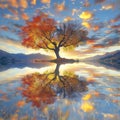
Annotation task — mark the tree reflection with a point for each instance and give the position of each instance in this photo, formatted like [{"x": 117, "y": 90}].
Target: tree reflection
[
  {"x": 43, "y": 89},
  {"x": 36, "y": 91}
]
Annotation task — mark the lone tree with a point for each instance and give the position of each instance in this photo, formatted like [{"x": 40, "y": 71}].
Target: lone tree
[{"x": 44, "y": 32}]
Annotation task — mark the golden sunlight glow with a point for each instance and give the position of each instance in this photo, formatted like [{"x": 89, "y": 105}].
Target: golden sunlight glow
[{"x": 16, "y": 47}]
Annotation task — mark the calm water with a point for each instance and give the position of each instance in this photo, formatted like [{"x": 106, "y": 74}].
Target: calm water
[{"x": 76, "y": 91}]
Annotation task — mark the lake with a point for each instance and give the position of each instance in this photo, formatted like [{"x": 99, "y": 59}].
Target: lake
[{"x": 76, "y": 91}]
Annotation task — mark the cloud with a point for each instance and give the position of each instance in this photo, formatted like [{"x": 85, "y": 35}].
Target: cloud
[
  {"x": 85, "y": 15},
  {"x": 110, "y": 49},
  {"x": 110, "y": 42},
  {"x": 23, "y": 4},
  {"x": 86, "y": 24},
  {"x": 9, "y": 45},
  {"x": 86, "y": 3},
  {"x": 33, "y": 2},
  {"x": 24, "y": 16},
  {"x": 13, "y": 46},
  {"x": 3, "y": 5},
  {"x": 95, "y": 27},
  {"x": 106, "y": 42},
  {"x": 60, "y": 7},
  {"x": 9, "y": 16},
  {"x": 116, "y": 19},
  {"x": 91, "y": 26},
  {"x": 74, "y": 11},
  {"x": 13, "y": 11},
  {"x": 98, "y": 46},
  {"x": 99, "y": 1},
  {"x": 5, "y": 28},
  {"x": 67, "y": 19},
  {"x": 116, "y": 26},
  {"x": 90, "y": 41},
  {"x": 13, "y": 3},
  {"x": 107, "y": 7},
  {"x": 45, "y": 1}
]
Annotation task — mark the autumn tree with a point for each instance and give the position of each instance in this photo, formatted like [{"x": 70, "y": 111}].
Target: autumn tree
[
  {"x": 44, "y": 32},
  {"x": 42, "y": 89}
]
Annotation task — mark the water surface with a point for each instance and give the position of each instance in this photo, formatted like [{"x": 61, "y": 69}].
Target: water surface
[{"x": 77, "y": 91}]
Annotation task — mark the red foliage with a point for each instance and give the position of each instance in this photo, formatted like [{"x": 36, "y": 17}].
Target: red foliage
[
  {"x": 35, "y": 91},
  {"x": 35, "y": 32}
]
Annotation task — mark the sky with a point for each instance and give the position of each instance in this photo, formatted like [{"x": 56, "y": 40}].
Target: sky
[{"x": 101, "y": 18}]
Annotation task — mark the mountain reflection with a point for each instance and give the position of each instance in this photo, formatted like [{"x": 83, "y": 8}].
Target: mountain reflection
[{"x": 41, "y": 89}]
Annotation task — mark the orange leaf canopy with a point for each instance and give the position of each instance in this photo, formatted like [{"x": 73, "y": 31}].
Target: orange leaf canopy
[{"x": 36, "y": 32}]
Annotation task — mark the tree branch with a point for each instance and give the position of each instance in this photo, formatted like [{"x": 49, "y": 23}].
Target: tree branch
[
  {"x": 67, "y": 39},
  {"x": 64, "y": 29},
  {"x": 48, "y": 46},
  {"x": 49, "y": 39}
]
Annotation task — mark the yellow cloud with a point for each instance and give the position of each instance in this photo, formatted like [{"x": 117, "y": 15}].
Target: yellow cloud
[
  {"x": 87, "y": 97},
  {"x": 23, "y": 3},
  {"x": 33, "y": 2},
  {"x": 86, "y": 24},
  {"x": 45, "y": 1},
  {"x": 86, "y": 15}
]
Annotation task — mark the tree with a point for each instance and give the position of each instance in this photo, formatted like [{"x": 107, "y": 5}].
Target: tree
[
  {"x": 44, "y": 32},
  {"x": 42, "y": 89}
]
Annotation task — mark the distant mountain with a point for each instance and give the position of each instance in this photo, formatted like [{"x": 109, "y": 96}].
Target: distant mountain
[
  {"x": 9, "y": 60},
  {"x": 109, "y": 55},
  {"x": 112, "y": 56},
  {"x": 111, "y": 59},
  {"x": 23, "y": 57}
]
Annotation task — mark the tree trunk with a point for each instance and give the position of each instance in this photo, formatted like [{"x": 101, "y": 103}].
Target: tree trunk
[
  {"x": 57, "y": 74},
  {"x": 57, "y": 70},
  {"x": 57, "y": 50}
]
